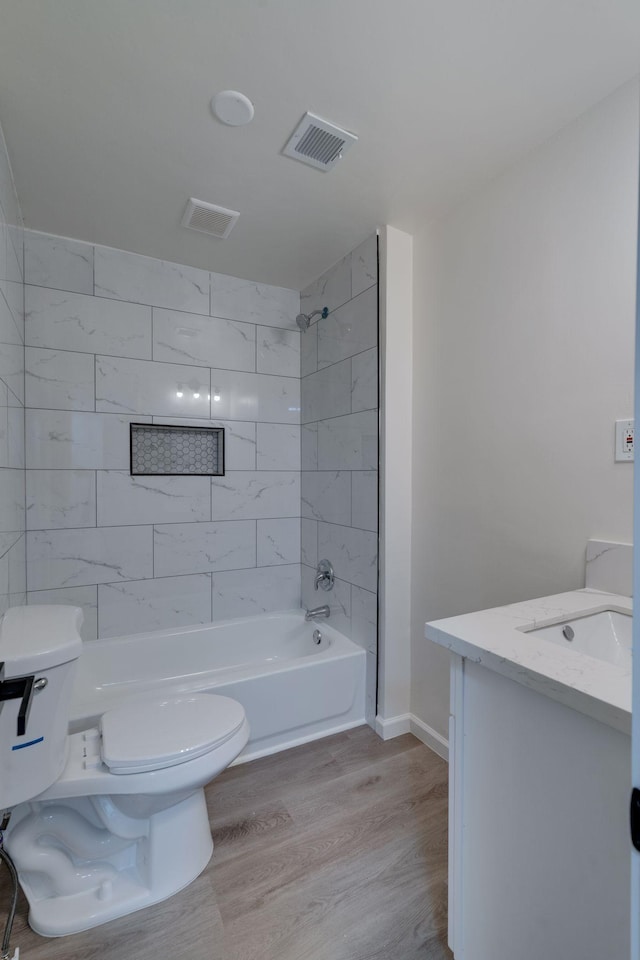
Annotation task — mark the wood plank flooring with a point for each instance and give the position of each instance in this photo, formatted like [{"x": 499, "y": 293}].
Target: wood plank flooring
[{"x": 336, "y": 850}]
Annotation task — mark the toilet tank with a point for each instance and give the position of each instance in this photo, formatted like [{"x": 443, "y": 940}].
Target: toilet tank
[{"x": 39, "y": 647}]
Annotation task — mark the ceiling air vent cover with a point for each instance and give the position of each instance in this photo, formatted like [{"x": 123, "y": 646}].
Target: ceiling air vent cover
[
  {"x": 318, "y": 143},
  {"x": 208, "y": 218}
]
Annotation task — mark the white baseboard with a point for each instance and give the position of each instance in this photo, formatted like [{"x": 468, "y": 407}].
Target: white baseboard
[
  {"x": 393, "y": 727},
  {"x": 430, "y": 737},
  {"x": 408, "y": 723}
]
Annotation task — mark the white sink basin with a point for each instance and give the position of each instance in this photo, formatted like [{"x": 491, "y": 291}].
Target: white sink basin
[{"x": 605, "y": 636}]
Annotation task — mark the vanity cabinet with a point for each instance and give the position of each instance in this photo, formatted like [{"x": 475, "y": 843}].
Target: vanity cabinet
[{"x": 539, "y": 848}]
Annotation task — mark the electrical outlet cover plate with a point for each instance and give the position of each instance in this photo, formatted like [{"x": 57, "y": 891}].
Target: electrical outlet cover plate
[{"x": 625, "y": 444}]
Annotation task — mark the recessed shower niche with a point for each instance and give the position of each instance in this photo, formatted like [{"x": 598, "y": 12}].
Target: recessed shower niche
[{"x": 171, "y": 451}]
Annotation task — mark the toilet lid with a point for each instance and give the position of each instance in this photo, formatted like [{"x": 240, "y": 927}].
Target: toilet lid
[{"x": 151, "y": 734}]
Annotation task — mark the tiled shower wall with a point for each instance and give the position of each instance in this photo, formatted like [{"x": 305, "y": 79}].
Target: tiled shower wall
[
  {"x": 12, "y": 486},
  {"x": 339, "y": 390},
  {"x": 111, "y": 338}
]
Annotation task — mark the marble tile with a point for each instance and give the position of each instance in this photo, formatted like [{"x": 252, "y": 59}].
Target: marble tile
[
  {"x": 327, "y": 393},
  {"x": 130, "y": 276},
  {"x": 14, "y": 296},
  {"x": 326, "y": 496},
  {"x": 309, "y": 351},
  {"x": 51, "y": 261},
  {"x": 4, "y": 425},
  {"x": 254, "y": 396},
  {"x": 203, "y": 547},
  {"x": 74, "y": 321},
  {"x": 12, "y": 571},
  {"x": 4, "y": 235},
  {"x": 364, "y": 499},
  {"x": 11, "y": 430},
  {"x": 349, "y": 330},
  {"x": 364, "y": 381},
  {"x": 278, "y": 352},
  {"x": 8, "y": 539},
  {"x": 123, "y": 499},
  {"x": 84, "y": 597},
  {"x": 330, "y": 290},
  {"x": 364, "y": 265},
  {"x": 203, "y": 341},
  {"x": 156, "y": 389},
  {"x": 17, "y": 557},
  {"x": 278, "y": 541},
  {"x": 138, "y": 606},
  {"x": 353, "y": 554},
  {"x": 73, "y": 558},
  {"x": 239, "y": 440},
  {"x": 12, "y": 500},
  {"x": 60, "y": 498},
  {"x": 349, "y": 443},
  {"x": 10, "y": 332},
  {"x": 4, "y": 232},
  {"x": 278, "y": 446},
  {"x": 364, "y": 619},
  {"x": 309, "y": 446},
  {"x": 12, "y": 368},
  {"x": 309, "y": 542},
  {"x": 60, "y": 439},
  {"x": 15, "y": 437},
  {"x": 244, "y": 593},
  {"x": 260, "y": 495},
  {"x": 59, "y": 380},
  {"x": 338, "y": 600},
  {"x": 14, "y": 259},
  {"x": 236, "y": 299},
  {"x": 609, "y": 567}
]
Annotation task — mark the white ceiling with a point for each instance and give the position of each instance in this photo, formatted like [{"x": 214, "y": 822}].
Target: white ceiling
[{"x": 105, "y": 108}]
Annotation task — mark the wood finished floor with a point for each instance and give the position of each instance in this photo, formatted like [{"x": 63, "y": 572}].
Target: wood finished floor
[{"x": 336, "y": 850}]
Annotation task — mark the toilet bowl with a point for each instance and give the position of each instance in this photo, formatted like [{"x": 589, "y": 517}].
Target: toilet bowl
[{"x": 118, "y": 820}]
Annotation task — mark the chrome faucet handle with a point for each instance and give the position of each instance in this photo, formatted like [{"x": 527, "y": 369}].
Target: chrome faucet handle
[{"x": 324, "y": 576}]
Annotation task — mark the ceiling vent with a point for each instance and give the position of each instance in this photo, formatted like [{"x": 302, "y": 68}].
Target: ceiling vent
[
  {"x": 208, "y": 218},
  {"x": 318, "y": 143}
]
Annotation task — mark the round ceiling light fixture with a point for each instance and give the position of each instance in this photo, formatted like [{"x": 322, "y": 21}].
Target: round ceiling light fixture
[{"x": 232, "y": 108}]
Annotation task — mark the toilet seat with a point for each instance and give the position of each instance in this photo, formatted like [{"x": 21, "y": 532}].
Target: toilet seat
[{"x": 161, "y": 732}]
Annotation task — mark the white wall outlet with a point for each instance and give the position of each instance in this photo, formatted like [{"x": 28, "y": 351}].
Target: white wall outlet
[{"x": 624, "y": 440}]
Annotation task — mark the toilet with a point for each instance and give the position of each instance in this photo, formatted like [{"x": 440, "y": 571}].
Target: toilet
[{"x": 111, "y": 819}]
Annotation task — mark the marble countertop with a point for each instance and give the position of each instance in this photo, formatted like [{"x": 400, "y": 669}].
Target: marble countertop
[{"x": 496, "y": 638}]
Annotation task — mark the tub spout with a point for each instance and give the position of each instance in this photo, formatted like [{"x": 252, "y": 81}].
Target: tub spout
[{"x": 323, "y": 611}]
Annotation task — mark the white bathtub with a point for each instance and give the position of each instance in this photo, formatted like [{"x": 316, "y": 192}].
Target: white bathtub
[{"x": 292, "y": 689}]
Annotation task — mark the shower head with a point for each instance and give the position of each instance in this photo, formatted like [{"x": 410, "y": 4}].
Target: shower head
[{"x": 304, "y": 319}]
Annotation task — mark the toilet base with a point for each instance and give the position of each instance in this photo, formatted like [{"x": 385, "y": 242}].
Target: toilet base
[{"x": 76, "y": 874}]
